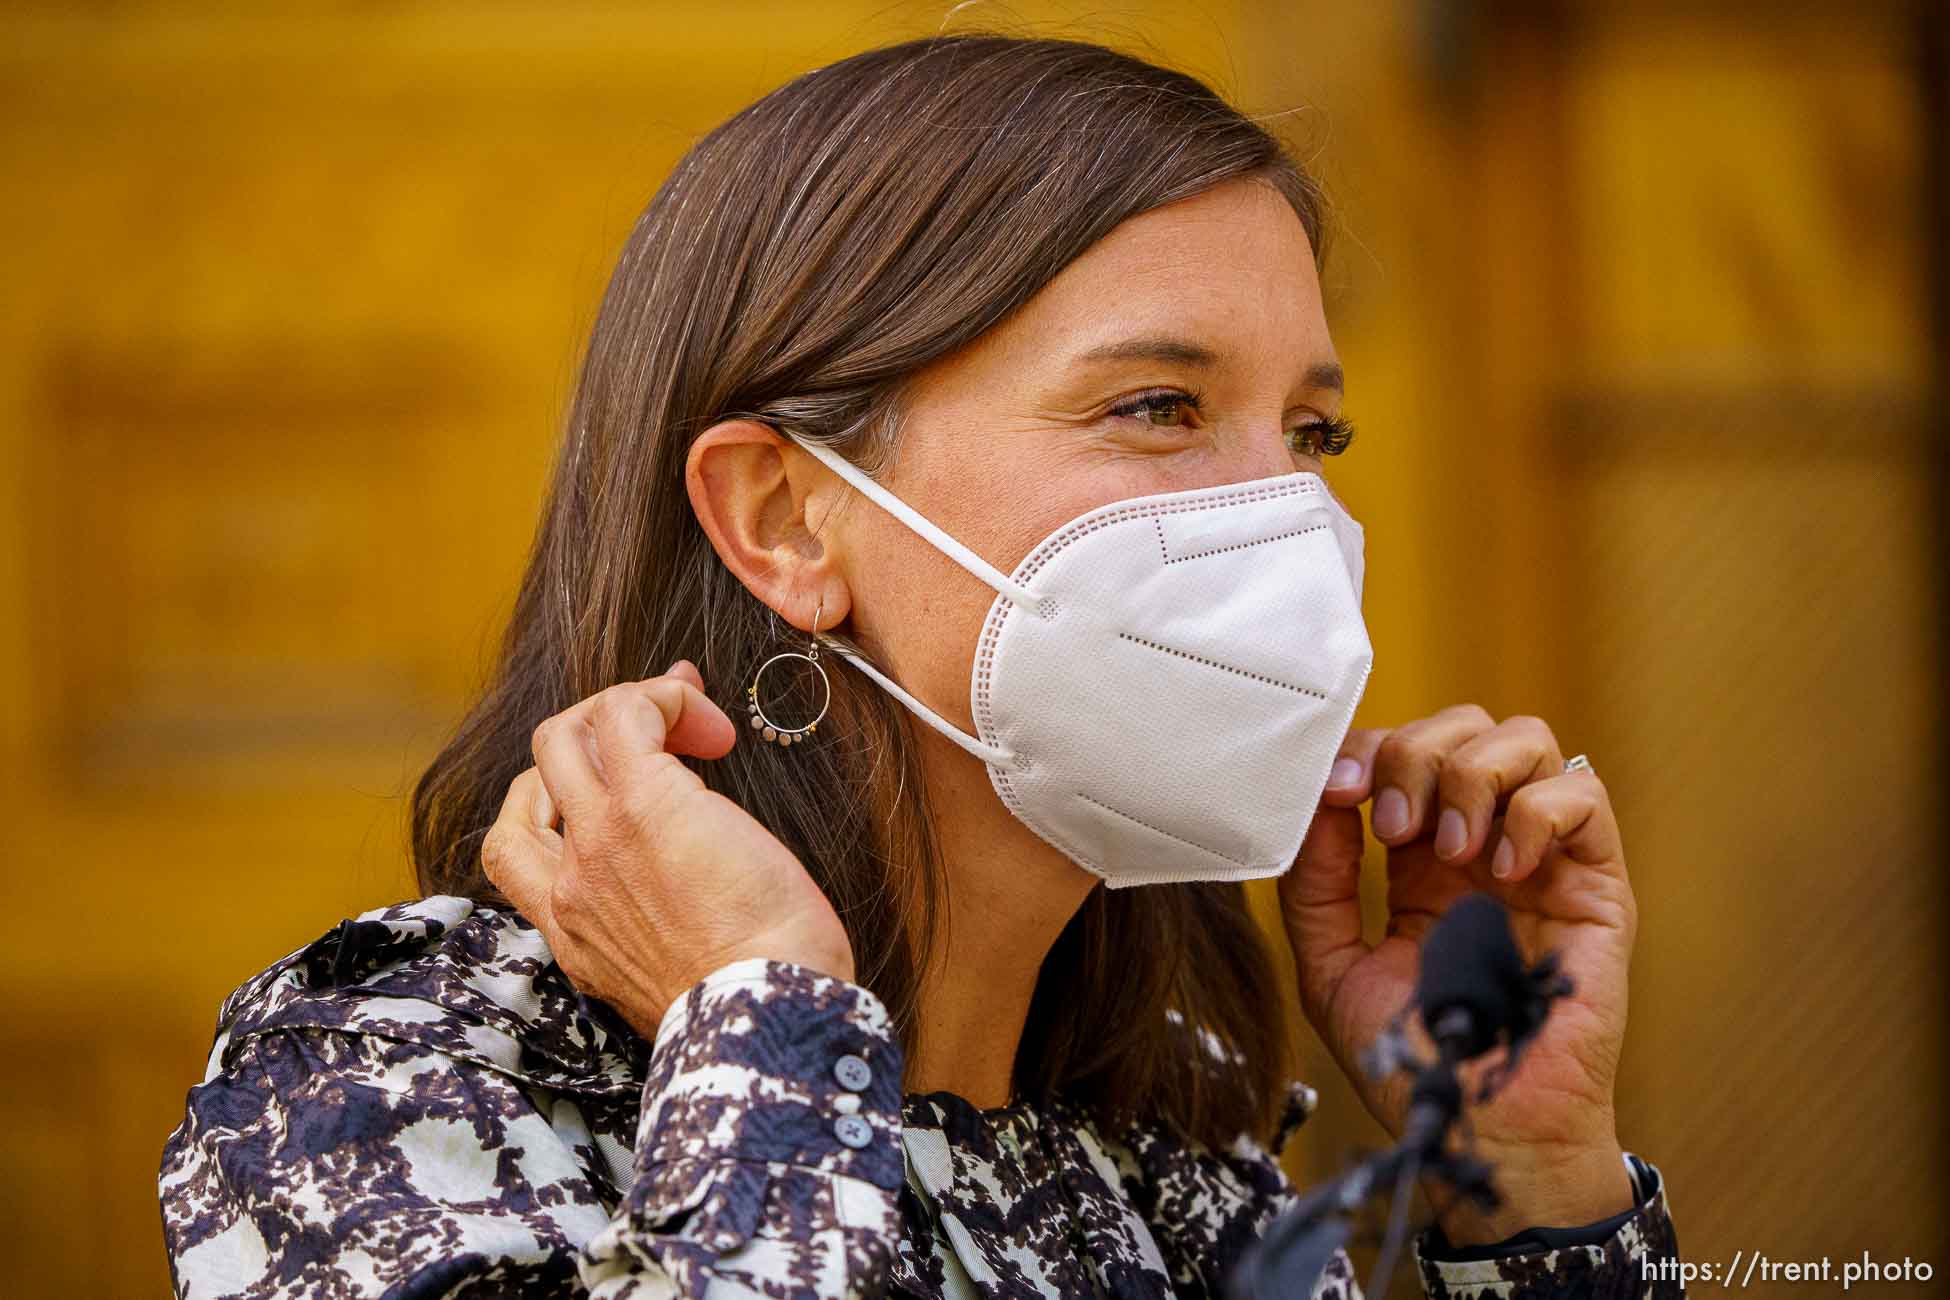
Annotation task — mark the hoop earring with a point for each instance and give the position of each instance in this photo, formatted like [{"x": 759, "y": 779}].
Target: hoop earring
[{"x": 764, "y": 725}]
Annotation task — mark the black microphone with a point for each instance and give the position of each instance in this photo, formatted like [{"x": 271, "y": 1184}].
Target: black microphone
[
  {"x": 1470, "y": 964},
  {"x": 1473, "y": 994}
]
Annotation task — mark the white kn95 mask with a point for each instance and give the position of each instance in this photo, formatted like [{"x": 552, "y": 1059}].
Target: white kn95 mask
[{"x": 1162, "y": 685}]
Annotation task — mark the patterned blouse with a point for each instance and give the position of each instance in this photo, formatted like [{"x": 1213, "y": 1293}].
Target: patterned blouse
[{"x": 420, "y": 1104}]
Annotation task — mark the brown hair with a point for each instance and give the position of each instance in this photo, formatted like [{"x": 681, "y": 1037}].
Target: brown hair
[{"x": 802, "y": 259}]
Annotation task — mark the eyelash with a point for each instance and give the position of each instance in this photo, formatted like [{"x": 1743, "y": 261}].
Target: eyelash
[{"x": 1335, "y": 434}]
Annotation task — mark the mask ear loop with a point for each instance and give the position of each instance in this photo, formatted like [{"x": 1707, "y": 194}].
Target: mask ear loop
[
  {"x": 1002, "y": 583},
  {"x": 975, "y": 564},
  {"x": 987, "y": 753}
]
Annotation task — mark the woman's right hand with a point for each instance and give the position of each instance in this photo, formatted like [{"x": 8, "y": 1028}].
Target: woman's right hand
[{"x": 653, "y": 880}]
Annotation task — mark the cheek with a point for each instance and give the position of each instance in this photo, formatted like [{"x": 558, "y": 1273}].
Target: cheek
[
  {"x": 920, "y": 612},
  {"x": 915, "y": 610}
]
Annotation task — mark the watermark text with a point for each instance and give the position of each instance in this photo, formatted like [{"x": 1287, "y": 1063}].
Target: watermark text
[{"x": 1750, "y": 1266}]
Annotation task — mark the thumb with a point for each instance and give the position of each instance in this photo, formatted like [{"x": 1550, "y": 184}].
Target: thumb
[
  {"x": 1320, "y": 902},
  {"x": 521, "y": 855}
]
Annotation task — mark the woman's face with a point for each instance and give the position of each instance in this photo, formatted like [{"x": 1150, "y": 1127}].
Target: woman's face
[{"x": 1186, "y": 349}]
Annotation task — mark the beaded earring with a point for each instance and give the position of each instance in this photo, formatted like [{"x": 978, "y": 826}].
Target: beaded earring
[{"x": 763, "y": 724}]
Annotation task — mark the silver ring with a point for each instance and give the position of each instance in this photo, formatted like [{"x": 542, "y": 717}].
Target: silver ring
[{"x": 1578, "y": 763}]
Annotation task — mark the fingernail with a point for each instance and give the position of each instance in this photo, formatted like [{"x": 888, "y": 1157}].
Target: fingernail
[
  {"x": 1505, "y": 860},
  {"x": 1390, "y": 812},
  {"x": 1451, "y": 833},
  {"x": 1346, "y": 773}
]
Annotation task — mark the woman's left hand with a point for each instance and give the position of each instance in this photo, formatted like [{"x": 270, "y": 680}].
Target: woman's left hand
[{"x": 1465, "y": 802}]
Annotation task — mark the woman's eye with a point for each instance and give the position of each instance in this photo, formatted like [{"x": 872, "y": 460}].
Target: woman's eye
[
  {"x": 1320, "y": 438},
  {"x": 1162, "y": 410}
]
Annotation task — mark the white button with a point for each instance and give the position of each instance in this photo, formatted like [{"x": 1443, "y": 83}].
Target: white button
[
  {"x": 852, "y": 1072},
  {"x": 852, "y": 1131}
]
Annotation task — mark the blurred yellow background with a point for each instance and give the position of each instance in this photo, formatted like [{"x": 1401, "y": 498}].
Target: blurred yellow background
[{"x": 1642, "y": 309}]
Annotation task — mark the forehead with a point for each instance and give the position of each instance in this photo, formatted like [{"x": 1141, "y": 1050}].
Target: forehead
[{"x": 1231, "y": 266}]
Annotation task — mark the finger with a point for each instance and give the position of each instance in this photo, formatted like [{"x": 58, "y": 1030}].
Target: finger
[
  {"x": 692, "y": 722},
  {"x": 1572, "y": 811},
  {"x": 538, "y": 808},
  {"x": 1348, "y": 782},
  {"x": 700, "y": 729},
  {"x": 697, "y": 731},
  {"x": 638, "y": 721},
  {"x": 565, "y": 756},
  {"x": 521, "y": 855},
  {"x": 1483, "y": 769},
  {"x": 1408, "y": 762},
  {"x": 1320, "y": 901}
]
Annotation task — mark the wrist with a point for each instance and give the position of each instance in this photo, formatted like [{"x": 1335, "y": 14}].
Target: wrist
[
  {"x": 1544, "y": 1187},
  {"x": 823, "y": 952}
]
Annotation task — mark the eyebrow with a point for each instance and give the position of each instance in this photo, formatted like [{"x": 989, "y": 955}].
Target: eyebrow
[{"x": 1321, "y": 374}]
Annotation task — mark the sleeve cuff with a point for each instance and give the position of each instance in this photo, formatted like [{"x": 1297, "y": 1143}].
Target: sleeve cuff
[
  {"x": 1616, "y": 1248},
  {"x": 768, "y": 1062}
]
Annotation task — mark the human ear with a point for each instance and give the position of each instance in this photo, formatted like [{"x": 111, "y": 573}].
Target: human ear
[{"x": 753, "y": 492}]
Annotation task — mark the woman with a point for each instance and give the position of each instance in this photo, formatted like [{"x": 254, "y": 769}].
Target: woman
[{"x": 953, "y": 989}]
